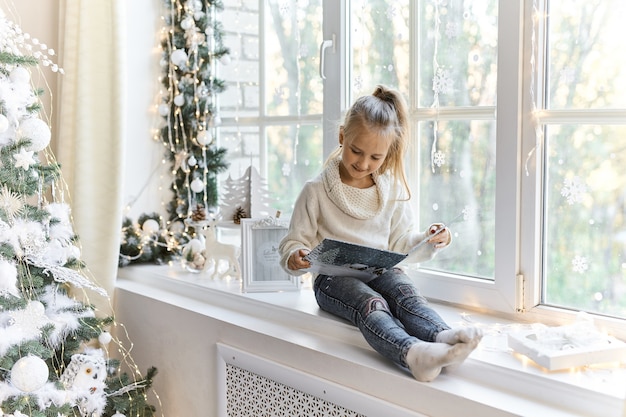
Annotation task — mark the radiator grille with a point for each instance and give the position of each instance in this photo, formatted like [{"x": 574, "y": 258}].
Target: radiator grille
[{"x": 252, "y": 395}]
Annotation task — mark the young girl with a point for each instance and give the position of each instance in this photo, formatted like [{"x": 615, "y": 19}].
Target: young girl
[{"x": 362, "y": 197}]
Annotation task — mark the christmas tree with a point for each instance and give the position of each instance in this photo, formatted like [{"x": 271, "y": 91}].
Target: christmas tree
[
  {"x": 53, "y": 344},
  {"x": 192, "y": 45}
]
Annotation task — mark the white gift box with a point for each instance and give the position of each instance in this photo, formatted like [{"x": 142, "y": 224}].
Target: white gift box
[{"x": 567, "y": 346}]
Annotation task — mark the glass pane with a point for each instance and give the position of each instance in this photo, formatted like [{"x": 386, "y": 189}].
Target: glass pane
[
  {"x": 379, "y": 40},
  {"x": 457, "y": 187},
  {"x": 293, "y": 33},
  {"x": 587, "y": 63},
  {"x": 584, "y": 218},
  {"x": 294, "y": 155},
  {"x": 290, "y": 156},
  {"x": 457, "y": 53},
  {"x": 241, "y": 71}
]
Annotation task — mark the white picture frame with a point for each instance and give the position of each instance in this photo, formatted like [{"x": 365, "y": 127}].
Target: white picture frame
[{"x": 261, "y": 269}]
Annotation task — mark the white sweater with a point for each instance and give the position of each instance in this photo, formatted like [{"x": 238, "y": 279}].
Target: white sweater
[{"x": 379, "y": 217}]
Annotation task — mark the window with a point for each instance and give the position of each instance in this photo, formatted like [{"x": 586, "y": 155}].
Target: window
[
  {"x": 580, "y": 129},
  {"x": 516, "y": 115},
  {"x": 272, "y": 109}
]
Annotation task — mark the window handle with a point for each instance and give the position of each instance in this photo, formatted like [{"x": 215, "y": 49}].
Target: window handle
[{"x": 328, "y": 43}]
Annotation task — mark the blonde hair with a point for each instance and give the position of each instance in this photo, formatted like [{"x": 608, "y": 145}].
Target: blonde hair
[{"x": 384, "y": 111}]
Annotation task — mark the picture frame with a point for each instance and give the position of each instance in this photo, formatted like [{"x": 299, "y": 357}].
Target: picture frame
[{"x": 261, "y": 270}]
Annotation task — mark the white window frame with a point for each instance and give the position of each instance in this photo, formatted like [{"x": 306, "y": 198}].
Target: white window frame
[{"x": 516, "y": 288}]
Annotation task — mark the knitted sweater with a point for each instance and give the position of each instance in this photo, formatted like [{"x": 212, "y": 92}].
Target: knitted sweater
[{"x": 378, "y": 217}]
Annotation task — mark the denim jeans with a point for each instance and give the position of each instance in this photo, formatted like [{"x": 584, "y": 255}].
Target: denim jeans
[{"x": 388, "y": 310}]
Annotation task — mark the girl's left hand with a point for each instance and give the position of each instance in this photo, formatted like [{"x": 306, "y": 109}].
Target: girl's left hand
[{"x": 441, "y": 238}]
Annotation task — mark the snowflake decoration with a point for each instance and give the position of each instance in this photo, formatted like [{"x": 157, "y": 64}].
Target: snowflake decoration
[
  {"x": 286, "y": 169},
  {"x": 392, "y": 11},
  {"x": 452, "y": 30},
  {"x": 11, "y": 203},
  {"x": 573, "y": 190},
  {"x": 442, "y": 82},
  {"x": 279, "y": 94},
  {"x": 439, "y": 158},
  {"x": 468, "y": 212},
  {"x": 567, "y": 75},
  {"x": 580, "y": 264},
  {"x": 284, "y": 8},
  {"x": 358, "y": 83},
  {"x": 304, "y": 51}
]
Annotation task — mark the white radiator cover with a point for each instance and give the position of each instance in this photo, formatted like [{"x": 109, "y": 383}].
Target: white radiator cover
[{"x": 252, "y": 386}]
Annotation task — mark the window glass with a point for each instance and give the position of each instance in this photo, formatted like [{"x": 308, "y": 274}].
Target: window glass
[
  {"x": 457, "y": 187},
  {"x": 379, "y": 45},
  {"x": 273, "y": 125},
  {"x": 457, "y": 53},
  {"x": 292, "y": 36},
  {"x": 585, "y": 228},
  {"x": 293, "y": 157},
  {"x": 587, "y": 63}
]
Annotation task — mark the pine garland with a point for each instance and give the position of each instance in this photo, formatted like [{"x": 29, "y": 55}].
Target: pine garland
[{"x": 192, "y": 45}]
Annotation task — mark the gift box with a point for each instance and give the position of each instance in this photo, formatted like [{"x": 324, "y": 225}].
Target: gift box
[{"x": 569, "y": 346}]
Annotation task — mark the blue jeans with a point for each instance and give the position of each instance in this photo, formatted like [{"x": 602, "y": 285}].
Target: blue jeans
[{"x": 388, "y": 310}]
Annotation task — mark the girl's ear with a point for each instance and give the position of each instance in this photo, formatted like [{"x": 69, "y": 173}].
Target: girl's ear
[{"x": 341, "y": 136}]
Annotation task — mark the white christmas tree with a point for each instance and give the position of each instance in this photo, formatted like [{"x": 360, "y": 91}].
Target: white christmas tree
[
  {"x": 248, "y": 193},
  {"x": 53, "y": 347}
]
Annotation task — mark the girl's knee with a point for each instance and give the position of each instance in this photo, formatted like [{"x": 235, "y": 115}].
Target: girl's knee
[{"x": 374, "y": 304}]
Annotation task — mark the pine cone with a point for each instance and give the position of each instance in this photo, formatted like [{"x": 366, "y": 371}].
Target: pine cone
[
  {"x": 240, "y": 213},
  {"x": 198, "y": 214}
]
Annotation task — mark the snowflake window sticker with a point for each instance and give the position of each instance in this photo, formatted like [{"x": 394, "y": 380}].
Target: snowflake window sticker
[
  {"x": 439, "y": 158},
  {"x": 573, "y": 190},
  {"x": 442, "y": 81},
  {"x": 580, "y": 264}
]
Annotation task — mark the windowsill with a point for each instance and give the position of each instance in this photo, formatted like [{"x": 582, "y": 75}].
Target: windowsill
[{"x": 492, "y": 375}]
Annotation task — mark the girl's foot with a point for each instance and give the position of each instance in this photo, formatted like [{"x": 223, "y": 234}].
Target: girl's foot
[{"x": 426, "y": 360}]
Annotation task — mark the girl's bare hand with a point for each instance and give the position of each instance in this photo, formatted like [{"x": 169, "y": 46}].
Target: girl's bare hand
[
  {"x": 296, "y": 260},
  {"x": 441, "y": 235}
]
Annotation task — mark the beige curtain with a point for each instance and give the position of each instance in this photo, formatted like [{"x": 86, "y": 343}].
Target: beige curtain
[{"x": 90, "y": 132}]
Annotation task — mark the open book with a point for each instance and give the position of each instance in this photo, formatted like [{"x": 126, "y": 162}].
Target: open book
[{"x": 337, "y": 258}]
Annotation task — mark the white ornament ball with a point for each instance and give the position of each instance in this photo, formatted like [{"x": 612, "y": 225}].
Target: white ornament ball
[
  {"x": 187, "y": 23},
  {"x": 105, "y": 338},
  {"x": 204, "y": 138},
  {"x": 179, "y": 57},
  {"x": 195, "y": 245},
  {"x": 37, "y": 308},
  {"x": 164, "y": 109},
  {"x": 225, "y": 59},
  {"x": 192, "y": 161},
  {"x": 197, "y": 185},
  {"x": 4, "y": 123},
  {"x": 150, "y": 226},
  {"x": 118, "y": 414},
  {"x": 29, "y": 374},
  {"x": 177, "y": 227},
  {"x": 20, "y": 75},
  {"x": 215, "y": 121},
  {"x": 37, "y": 131},
  {"x": 179, "y": 100}
]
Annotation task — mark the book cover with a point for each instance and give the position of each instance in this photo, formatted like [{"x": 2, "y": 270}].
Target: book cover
[{"x": 337, "y": 258}]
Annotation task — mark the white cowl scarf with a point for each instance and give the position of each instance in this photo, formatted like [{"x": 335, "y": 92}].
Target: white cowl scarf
[{"x": 360, "y": 203}]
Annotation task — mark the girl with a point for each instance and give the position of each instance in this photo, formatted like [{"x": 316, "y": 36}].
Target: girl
[{"x": 362, "y": 197}]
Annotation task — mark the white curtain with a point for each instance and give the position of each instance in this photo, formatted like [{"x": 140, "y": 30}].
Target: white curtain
[{"x": 90, "y": 132}]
